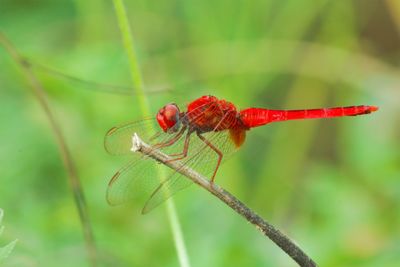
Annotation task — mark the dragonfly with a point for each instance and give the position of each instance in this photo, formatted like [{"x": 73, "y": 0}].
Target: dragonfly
[{"x": 202, "y": 137}]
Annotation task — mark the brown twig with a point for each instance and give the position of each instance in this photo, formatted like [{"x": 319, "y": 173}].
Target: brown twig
[
  {"x": 39, "y": 92},
  {"x": 296, "y": 253}
]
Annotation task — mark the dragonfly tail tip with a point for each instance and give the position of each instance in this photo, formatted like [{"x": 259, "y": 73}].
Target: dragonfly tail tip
[{"x": 374, "y": 108}]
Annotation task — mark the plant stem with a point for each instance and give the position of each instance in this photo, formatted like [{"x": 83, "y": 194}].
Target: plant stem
[
  {"x": 127, "y": 38},
  {"x": 39, "y": 92},
  {"x": 144, "y": 107},
  {"x": 288, "y": 246}
]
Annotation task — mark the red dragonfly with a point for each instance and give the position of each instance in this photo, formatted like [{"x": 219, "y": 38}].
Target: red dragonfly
[{"x": 201, "y": 138}]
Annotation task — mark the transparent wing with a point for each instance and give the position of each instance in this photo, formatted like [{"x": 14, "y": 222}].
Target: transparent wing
[
  {"x": 131, "y": 181},
  {"x": 201, "y": 158},
  {"x": 118, "y": 140},
  {"x": 141, "y": 174}
]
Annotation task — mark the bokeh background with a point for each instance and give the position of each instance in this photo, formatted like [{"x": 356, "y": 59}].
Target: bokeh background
[{"x": 331, "y": 185}]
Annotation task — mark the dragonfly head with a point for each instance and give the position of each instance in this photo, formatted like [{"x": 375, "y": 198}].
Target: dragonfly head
[{"x": 168, "y": 118}]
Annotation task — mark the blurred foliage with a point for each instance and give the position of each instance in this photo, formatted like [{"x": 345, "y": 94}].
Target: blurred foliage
[
  {"x": 7, "y": 249},
  {"x": 332, "y": 185}
]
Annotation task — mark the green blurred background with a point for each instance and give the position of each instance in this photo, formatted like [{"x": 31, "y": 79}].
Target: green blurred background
[{"x": 331, "y": 185}]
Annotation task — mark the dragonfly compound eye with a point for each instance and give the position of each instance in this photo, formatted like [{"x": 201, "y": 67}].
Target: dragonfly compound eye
[{"x": 168, "y": 116}]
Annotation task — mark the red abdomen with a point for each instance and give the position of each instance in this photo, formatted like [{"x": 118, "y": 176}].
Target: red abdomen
[{"x": 253, "y": 117}]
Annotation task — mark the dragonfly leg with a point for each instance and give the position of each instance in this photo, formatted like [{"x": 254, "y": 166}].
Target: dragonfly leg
[
  {"x": 185, "y": 149},
  {"x": 220, "y": 155},
  {"x": 154, "y": 136},
  {"x": 171, "y": 141}
]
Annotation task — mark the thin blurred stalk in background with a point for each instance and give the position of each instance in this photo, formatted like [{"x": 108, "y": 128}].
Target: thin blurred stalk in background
[
  {"x": 73, "y": 178},
  {"x": 140, "y": 98}
]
